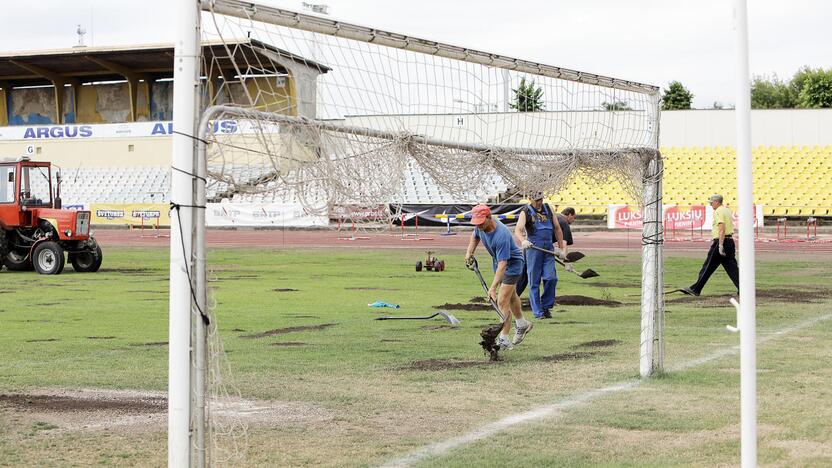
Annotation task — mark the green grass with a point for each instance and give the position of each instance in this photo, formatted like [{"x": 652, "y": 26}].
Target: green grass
[{"x": 103, "y": 331}]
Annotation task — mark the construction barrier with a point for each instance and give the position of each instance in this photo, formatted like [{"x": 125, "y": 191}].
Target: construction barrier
[{"x": 261, "y": 215}]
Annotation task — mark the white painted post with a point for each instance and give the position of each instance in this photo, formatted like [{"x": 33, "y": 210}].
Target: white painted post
[
  {"x": 651, "y": 359},
  {"x": 748, "y": 319},
  {"x": 185, "y": 82}
]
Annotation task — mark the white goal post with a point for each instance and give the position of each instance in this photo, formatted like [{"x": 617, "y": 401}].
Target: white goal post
[{"x": 320, "y": 110}]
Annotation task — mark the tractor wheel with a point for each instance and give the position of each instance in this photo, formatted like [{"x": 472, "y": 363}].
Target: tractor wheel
[
  {"x": 419, "y": 266},
  {"x": 440, "y": 265},
  {"x": 16, "y": 261},
  {"x": 88, "y": 261},
  {"x": 48, "y": 258}
]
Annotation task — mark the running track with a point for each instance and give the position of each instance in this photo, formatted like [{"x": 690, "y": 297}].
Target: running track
[{"x": 601, "y": 240}]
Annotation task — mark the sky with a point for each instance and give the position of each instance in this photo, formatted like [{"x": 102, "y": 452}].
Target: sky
[{"x": 650, "y": 41}]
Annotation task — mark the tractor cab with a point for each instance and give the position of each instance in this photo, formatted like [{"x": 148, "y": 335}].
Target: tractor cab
[{"x": 24, "y": 184}]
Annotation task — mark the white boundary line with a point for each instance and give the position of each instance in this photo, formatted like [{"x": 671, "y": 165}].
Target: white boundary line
[{"x": 552, "y": 409}]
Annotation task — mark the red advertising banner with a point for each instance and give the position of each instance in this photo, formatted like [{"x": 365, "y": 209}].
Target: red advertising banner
[
  {"x": 676, "y": 217},
  {"x": 684, "y": 217}
]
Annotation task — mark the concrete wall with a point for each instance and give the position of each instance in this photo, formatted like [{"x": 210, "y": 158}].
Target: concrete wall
[
  {"x": 70, "y": 153},
  {"x": 789, "y": 127},
  {"x": 102, "y": 103}
]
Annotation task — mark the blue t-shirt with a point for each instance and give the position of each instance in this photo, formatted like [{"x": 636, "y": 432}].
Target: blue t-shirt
[{"x": 500, "y": 244}]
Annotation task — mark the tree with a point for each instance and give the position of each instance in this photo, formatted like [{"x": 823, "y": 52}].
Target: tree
[
  {"x": 816, "y": 91},
  {"x": 771, "y": 93},
  {"x": 676, "y": 97},
  {"x": 616, "y": 106},
  {"x": 808, "y": 88},
  {"x": 528, "y": 97}
]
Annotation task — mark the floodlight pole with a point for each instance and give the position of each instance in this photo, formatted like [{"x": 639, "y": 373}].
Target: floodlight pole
[
  {"x": 747, "y": 308},
  {"x": 185, "y": 86}
]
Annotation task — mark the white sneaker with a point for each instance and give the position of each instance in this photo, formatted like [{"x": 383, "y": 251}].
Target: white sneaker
[
  {"x": 521, "y": 332},
  {"x": 504, "y": 343}
]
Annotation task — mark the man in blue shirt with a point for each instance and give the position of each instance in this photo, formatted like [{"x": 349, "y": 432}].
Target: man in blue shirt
[{"x": 508, "y": 267}]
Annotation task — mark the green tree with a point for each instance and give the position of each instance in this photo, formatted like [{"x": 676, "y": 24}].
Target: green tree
[
  {"x": 816, "y": 91},
  {"x": 528, "y": 97},
  {"x": 676, "y": 97},
  {"x": 771, "y": 93},
  {"x": 616, "y": 106}
]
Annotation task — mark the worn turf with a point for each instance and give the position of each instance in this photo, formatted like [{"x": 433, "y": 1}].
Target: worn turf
[{"x": 357, "y": 392}]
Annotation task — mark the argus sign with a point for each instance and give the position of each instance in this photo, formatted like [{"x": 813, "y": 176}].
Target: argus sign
[
  {"x": 58, "y": 132},
  {"x": 117, "y": 130}
]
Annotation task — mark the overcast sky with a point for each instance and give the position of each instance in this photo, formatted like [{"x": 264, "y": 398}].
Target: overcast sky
[{"x": 652, "y": 41}]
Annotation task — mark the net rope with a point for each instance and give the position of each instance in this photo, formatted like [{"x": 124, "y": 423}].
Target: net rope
[{"x": 325, "y": 115}]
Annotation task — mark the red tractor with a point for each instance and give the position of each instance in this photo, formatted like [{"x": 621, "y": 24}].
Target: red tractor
[{"x": 35, "y": 232}]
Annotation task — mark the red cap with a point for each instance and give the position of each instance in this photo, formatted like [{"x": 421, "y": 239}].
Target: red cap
[{"x": 479, "y": 214}]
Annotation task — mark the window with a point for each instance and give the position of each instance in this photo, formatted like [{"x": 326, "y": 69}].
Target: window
[
  {"x": 35, "y": 188},
  {"x": 6, "y": 184}
]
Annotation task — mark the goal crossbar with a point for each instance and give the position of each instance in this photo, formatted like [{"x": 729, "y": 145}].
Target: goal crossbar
[{"x": 280, "y": 17}]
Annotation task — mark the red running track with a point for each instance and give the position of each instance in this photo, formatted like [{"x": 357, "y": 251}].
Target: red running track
[{"x": 433, "y": 239}]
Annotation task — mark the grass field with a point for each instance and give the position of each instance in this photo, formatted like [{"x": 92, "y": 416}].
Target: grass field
[{"x": 350, "y": 391}]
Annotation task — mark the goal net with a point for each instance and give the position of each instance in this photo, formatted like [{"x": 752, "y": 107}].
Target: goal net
[{"x": 323, "y": 114}]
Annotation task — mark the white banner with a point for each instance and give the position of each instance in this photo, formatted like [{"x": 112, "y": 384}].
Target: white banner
[
  {"x": 261, "y": 215},
  {"x": 118, "y": 130}
]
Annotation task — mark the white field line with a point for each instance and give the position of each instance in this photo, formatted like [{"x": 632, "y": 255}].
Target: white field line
[{"x": 552, "y": 409}]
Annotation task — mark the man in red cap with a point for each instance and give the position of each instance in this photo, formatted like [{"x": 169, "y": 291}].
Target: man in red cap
[{"x": 508, "y": 266}]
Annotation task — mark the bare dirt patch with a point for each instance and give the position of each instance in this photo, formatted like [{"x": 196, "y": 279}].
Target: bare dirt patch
[
  {"x": 577, "y": 300},
  {"x": 573, "y": 356},
  {"x": 566, "y": 322},
  {"x": 284, "y": 290},
  {"x": 281, "y": 331},
  {"x": 444, "y": 364},
  {"x": 802, "y": 296},
  {"x": 288, "y": 343},
  {"x": 305, "y": 316},
  {"x": 100, "y": 337},
  {"x": 140, "y": 411},
  {"x": 129, "y": 271},
  {"x": 473, "y": 307},
  {"x": 43, "y": 340},
  {"x": 597, "y": 344},
  {"x": 480, "y": 303},
  {"x": 151, "y": 344},
  {"x": 601, "y": 284},
  {"x": 391, "y": 341},
  {"x": 372, "y": 289},
  {"x": 438, "y": 327}
]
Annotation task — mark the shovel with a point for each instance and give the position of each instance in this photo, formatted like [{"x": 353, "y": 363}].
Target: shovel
[
  {"x": 472, "y": 265},
  {"x": 589, "y": 273},
  {"x": 450, "y": 318}
]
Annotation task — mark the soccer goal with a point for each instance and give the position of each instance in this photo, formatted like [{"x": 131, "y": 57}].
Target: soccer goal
[{"x": 325, "y": 114}]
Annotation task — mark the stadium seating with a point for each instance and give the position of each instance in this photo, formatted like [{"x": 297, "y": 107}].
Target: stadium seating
[{"x": 788, "y": 180}]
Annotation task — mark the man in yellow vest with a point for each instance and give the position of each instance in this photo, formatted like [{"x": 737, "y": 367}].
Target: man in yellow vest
[{"x": 722, "y": 251}]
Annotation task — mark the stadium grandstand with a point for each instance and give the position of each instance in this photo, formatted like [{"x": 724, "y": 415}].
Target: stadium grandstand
[{"x": 102, "y": 114}]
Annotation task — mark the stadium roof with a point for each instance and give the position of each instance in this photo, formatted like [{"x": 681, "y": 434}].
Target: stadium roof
[{"x": 87, "y": 64}]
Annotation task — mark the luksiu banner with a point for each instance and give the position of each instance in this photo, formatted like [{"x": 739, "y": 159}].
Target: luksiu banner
[
  {"x": 261, "y": 215},
  {"x": 679, "y": 217}
]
